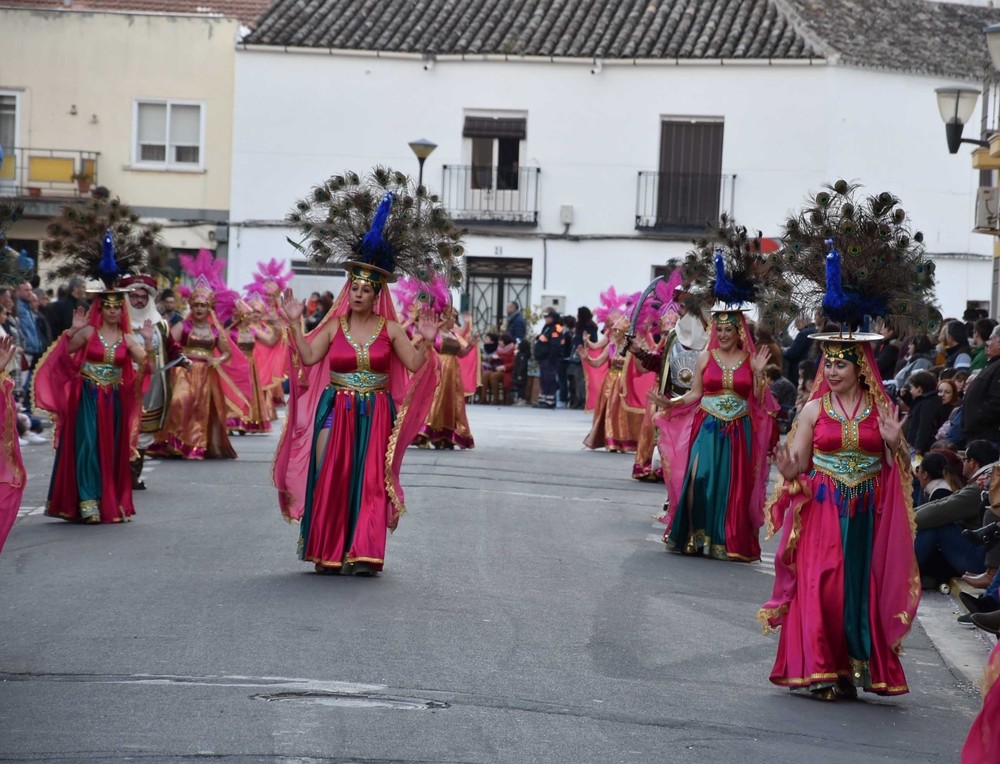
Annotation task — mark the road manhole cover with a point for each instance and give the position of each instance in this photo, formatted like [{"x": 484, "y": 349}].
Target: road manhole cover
[{"x": 346, "y": 700}]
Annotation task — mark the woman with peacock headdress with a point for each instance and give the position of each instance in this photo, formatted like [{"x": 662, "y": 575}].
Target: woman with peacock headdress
[
  {"x": 615, "y": 426},
  {"x": 12, "y": 474},
  {"x": 846, "y": 580},
  {"x": 359, "y": 389},
  {"x": 90, "y": 380},
  {"x": 714, "y": 438},
  {"x": 214, "y": 390}
]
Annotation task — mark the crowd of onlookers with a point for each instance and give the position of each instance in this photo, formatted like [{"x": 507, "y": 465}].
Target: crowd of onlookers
[{"x": 35, "y": 317}]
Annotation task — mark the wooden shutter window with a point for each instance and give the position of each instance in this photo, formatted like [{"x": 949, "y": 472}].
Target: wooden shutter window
[{"x": 495, "y": 127}]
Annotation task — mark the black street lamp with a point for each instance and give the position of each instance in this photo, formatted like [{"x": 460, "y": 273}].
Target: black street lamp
[{"x": 422, "y": 149}]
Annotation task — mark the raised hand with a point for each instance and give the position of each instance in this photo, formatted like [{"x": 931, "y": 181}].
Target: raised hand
[
  {"x": 427, "y": 327},
  {"x": 890, "y": 424},
  {"x": 759, "y": 360},
  {"x": 79, "y": 319},
  {"x": 7, "y": 350},
  {"x": 292, "y": 308},
  {"x": 146, "y": 330}
]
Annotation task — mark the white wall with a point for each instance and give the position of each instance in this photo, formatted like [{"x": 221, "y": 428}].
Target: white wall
[{"x": 300, "y": 117}]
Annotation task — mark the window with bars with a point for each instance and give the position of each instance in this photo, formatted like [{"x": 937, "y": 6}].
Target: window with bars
[{"x": 169, "y": 134}]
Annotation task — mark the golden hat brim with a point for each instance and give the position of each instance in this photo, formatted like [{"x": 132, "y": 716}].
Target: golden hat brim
[
  {"x": 851, "y": 338},
  {"x": 387, "y": 277}
]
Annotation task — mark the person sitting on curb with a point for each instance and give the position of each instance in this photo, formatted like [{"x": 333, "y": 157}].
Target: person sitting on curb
[{"x": 940, "y": 523}]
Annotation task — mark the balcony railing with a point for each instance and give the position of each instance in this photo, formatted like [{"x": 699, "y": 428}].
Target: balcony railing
[
  {"x": 61, "y": 173},
  {"x": 681, "y": 202},
  {"x": 498, "y": 195}
]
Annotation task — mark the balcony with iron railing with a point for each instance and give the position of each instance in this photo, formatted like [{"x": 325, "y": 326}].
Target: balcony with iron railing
[
  {"x": 48, "y": 173},
  {"x": 681, "y": 203},
  {"x": 491, "y": 195}
]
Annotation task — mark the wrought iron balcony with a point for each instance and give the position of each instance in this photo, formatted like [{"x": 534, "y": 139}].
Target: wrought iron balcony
[
  {"x": 495, "y": 195},
  {"x": 681, "y": 202},
  {"x": 53, "y": 173}
]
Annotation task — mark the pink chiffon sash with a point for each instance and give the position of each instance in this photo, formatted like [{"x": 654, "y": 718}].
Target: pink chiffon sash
[
  {"x": 594, "y": 376},
  {"x": 12, "y": 478}
]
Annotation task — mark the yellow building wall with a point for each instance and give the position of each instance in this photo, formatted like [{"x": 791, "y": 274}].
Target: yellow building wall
[{"x": 100, "y": 63}]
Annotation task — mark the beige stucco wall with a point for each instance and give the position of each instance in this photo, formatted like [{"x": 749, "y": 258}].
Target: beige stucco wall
[{"x": 100, "y": 63}]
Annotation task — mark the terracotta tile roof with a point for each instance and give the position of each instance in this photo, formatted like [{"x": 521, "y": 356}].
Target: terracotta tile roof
[
  {"x": 246, "y": 11},
  {"x": 908, "y": 35}
]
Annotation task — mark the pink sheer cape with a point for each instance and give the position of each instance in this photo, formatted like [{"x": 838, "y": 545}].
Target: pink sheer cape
[
  {"x": 676, "y": 427},
  {"x": 470, "y": 366},
  {"x": 893, "y": 563},
  {"x": 983, "y": 742},
  {"x": 638, "y": 382},
  {"x": 12, "y": 478},
  {"x": 594, "y": 376},
  {"x": 411, "y": 394}
]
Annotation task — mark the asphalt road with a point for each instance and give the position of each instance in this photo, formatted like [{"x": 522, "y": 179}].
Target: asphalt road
[{"x": 527, "y": 613}]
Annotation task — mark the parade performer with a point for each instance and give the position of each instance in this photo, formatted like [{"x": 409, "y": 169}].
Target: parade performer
[
  {"x": 447, "y": 424},
  {"x": 846, "y": 580},
  {"x": 470, "y": 361},
  {"x": 246, "y": 334},
  {"x": 12, "y": 474},
  {"x": 653, "y": 324},
  {"x": 360, "y": 390},
  {"x": 270, "y": 281},
  {"x": 714, "y": 439},
  {"x": 216, "y": 387},
  {"x": 141, "y": 290},
  {"x": 614, "y": 427},
  {"x": 89, "y": 385}
]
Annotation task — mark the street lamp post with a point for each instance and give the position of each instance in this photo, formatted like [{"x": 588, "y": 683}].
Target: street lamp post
[
  {"x": 956, "y": 106},
  {"x": 422, "y": 148}
]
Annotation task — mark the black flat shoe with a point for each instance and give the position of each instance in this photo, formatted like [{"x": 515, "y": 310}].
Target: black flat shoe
[
  {"x": 988, "y": 621},
  {"x": 982, "y": 604}
]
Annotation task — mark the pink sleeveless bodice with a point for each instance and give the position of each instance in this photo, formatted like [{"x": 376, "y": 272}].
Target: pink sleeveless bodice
[
  {"x": 348, "y": 354},
  {"x": 98, "y": 354},
  {"x": 716, "y": 379}
]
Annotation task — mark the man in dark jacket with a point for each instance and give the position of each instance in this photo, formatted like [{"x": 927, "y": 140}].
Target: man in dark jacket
[
  {"x": 517, "y": 327},
  {"x": 981, "y": 404},
  {"x": 548, "y": 355},
  {"x": 60, "y": 312},
  {"x": 924, "y": 416}
]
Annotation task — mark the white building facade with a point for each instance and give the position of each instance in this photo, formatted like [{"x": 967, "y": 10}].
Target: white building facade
[{"x": 571, "y": 174}]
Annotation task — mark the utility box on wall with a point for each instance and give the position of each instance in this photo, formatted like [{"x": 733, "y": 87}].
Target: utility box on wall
[{"x": 557, "y": 301}]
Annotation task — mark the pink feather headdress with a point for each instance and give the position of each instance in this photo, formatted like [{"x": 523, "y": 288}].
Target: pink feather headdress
[
  {"x": 412, "y": 295},
  {"x": 209, "y": 285},
  {"x": 270, "y": 279}
]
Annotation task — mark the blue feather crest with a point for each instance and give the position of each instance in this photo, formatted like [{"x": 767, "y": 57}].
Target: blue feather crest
[
  {"x": 726, "y": 290},
  {"x": 374, "y": 248},
  {"x": 108, "y": 269}
]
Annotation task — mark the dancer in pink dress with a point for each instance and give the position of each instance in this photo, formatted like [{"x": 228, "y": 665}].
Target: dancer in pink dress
[{"x": 359, "y": 390}]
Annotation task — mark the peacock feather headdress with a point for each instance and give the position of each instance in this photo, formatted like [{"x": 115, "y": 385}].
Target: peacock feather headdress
[
  {"x": 379, "y": 221},
  {"x": 729, "y": 267},
  {"x": 11, "y": 272},
  {"x": 858, "y": 259},
  {"x": 101, "y": 238}
]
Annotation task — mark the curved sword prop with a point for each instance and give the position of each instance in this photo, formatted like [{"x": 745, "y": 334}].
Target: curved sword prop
[{"x": 635, "y": 313}]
